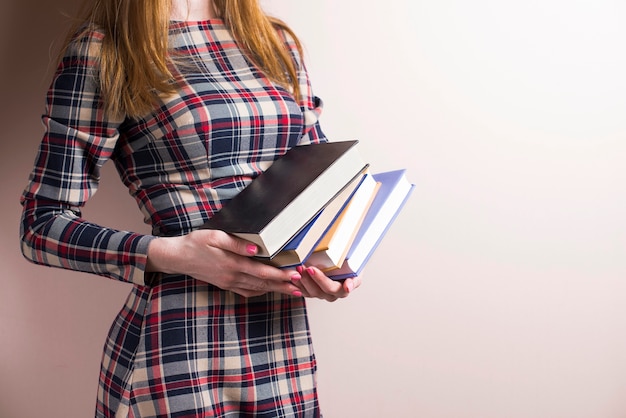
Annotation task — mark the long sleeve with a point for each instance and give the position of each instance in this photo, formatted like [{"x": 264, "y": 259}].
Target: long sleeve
[{"x": 78, "y": 140}]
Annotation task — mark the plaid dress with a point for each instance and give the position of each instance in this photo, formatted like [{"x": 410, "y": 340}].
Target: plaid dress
[{"x": 179, "y": 347}]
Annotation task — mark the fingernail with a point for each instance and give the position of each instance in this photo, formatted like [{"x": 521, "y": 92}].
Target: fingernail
[
  {"x": 296, "y": 277},
  {"x": 300, "y": 269},
  {"x": 251, "y": 249},
  {"x": 350, "y": 286},
  {"x": 310, "y": 270},
  {"x": 297, "y": 293}
]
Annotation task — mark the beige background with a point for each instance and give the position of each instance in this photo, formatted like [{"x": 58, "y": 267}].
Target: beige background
[{"x": 499, "y": 292}]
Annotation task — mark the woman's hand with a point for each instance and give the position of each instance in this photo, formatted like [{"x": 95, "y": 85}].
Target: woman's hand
[
  {"x": 315, "y": 284},
  {"x": 220, "y": 259}
]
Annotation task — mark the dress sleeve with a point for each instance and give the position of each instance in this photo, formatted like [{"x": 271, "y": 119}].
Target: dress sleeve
[
  {"x": 310, "y": 104},
  {"x": 77, "y": 141}
]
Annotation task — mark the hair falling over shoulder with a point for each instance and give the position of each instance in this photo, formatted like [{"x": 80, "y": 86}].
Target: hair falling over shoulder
[{"x": 135, "y": 55}]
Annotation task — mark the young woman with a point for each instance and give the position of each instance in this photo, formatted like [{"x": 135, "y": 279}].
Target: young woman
[{"x": 191, "y": 99}]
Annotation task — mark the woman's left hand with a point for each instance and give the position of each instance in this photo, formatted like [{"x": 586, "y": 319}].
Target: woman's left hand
[{"x": 315, "y": 284}]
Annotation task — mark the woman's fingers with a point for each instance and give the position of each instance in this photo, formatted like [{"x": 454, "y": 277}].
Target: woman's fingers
[
  {"x": 316, "y": 284},
  {"x": 227, "y": 242},
  {"x": 351, "y": 284},
  {"x": 226, "y": 262},
  {"x": 259, "y": 282}
]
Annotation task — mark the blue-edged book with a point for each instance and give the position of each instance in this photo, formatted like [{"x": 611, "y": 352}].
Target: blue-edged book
[{"x": 393, "y": 193}]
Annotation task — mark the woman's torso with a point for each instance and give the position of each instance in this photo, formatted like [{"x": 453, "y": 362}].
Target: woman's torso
[{"x": 204, "y": 143}]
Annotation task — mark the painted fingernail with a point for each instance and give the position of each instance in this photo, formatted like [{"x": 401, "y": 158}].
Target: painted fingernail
[
  {"x": 350, "y": 286},
  {"x": 251, "y": 249},
  {"x": 296, "y": 277},
  {"x": 300, "y": 269},
  {"x": 310, "y": 270},
  {"x": 297, "y": 293}
]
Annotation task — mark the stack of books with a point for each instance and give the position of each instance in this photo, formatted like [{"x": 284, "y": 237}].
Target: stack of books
[{"x": 318, "y": 205}]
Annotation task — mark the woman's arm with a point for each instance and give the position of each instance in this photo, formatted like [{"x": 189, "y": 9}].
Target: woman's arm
[
  {"x": 223, "y": 260},
  {"x": 78, "y": 140}
]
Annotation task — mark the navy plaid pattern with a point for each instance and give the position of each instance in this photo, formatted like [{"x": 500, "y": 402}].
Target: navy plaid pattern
[{"x": 180, "y": 348}]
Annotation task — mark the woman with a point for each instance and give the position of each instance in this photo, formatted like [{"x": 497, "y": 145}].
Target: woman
[{"x": 191, "y": 100}]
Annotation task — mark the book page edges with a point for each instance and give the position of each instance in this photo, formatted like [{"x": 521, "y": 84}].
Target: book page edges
[{"x": 347, "y": 270}]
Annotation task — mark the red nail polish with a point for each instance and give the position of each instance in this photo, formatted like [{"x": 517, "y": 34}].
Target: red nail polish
[
  {"x": 300, "y": 269},
  {"x": 296, "y": 277},
  {"x": 297, "y": 293},
  {"x": 251, "y": 249},
  {"x": 310, "y": 270}
]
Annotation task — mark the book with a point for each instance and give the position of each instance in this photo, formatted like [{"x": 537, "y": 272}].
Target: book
[
  {"x": 334, "y": 245},
  {"x": 296, "y": 251},
  {"x": 284, "y": 198},
  {"x": 393, "y": 193}
]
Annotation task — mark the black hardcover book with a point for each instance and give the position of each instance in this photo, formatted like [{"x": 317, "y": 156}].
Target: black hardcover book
[{"x": 277, "y": 204}]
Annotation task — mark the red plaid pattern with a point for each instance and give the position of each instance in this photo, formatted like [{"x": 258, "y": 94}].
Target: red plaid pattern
[{"x": 181, "y": 348}]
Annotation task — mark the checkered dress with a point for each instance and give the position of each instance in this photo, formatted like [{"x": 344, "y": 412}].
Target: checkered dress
[{"x": 179, "y": 347}]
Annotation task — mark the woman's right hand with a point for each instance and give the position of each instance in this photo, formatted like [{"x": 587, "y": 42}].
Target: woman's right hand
[{"x": 220, "y": 259}]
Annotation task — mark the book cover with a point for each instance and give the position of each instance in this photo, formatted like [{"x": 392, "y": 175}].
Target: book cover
[
  {"x": 277, "y": 204},
  {"x": 334, "y": 245},
  {"x": 391, "y": 197}
]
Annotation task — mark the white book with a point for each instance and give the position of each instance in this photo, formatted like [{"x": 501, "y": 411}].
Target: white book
[{"x": 393, "y": 193}]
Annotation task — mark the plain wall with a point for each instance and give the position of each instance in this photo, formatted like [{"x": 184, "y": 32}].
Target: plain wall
[{"x": 498, "y": 293}]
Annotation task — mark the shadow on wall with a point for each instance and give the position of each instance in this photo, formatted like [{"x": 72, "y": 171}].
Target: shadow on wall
[{"x": 30, "y": 41}]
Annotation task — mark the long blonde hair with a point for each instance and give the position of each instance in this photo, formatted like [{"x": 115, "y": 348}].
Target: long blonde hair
[{"x": 135, "y": 52}]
